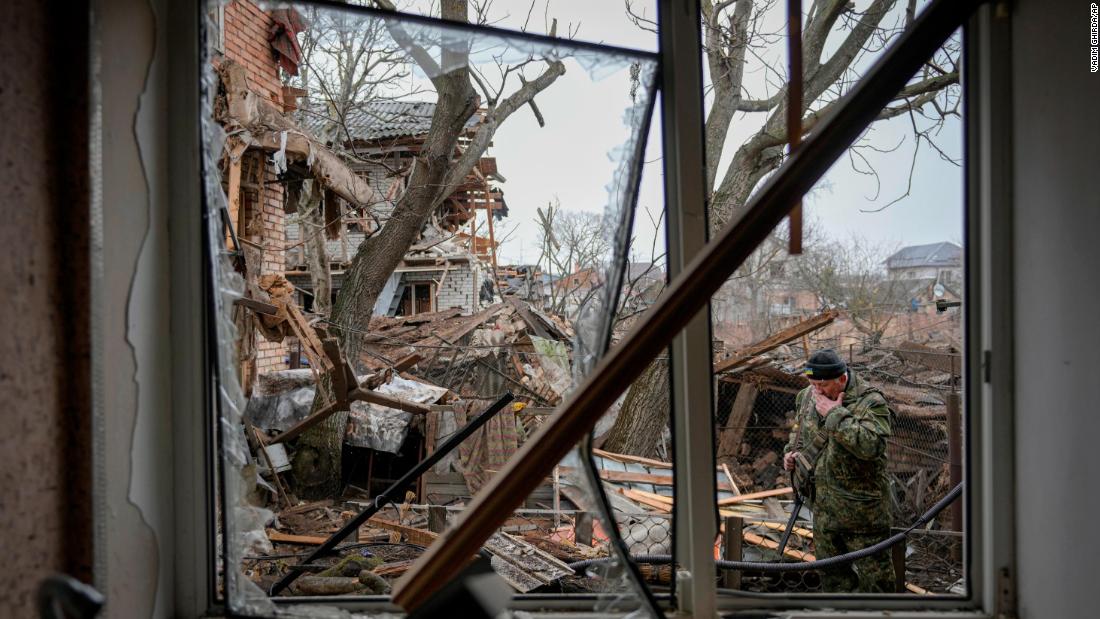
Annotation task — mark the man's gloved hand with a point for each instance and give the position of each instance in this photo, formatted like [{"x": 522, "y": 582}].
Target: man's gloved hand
[
  {"x": 788, "y": 460},
  {"x": 824, "y": 404}
]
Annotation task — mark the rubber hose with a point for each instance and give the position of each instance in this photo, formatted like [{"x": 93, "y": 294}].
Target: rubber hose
[{"x": 758, "y": 566}]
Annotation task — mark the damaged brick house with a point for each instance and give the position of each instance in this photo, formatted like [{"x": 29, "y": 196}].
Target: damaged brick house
[
  {"x": 268, "y": 154},
  {"x": 450, "y": 266},
  {"x": 264, "y": 44}
]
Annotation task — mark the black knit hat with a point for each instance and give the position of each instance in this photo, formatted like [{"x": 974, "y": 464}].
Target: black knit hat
[{"x": 824, "y": 365}]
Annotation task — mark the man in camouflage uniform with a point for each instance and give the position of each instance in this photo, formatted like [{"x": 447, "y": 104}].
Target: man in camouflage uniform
[{"x": 839, "y": 443}]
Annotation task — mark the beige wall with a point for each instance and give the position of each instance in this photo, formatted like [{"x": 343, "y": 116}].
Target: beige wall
[{"x": 45, "y": 442}]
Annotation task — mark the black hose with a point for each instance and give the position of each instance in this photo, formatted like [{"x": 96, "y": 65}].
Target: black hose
[{"x": 758, "y": 566}]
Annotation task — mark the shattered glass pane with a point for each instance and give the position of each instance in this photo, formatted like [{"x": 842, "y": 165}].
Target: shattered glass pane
[
  {"x": 876, "y": 289},
  {"x": 408, "y": 219}
]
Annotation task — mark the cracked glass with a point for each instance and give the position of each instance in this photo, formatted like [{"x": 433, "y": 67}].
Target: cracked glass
[{"x": 407, "y": 220}]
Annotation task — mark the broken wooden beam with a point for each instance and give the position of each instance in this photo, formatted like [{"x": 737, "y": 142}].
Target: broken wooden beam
[
  {"x": 641, "y": 478},
  {"x": 759, "y": 540},
  {"x": 287, "y": 538},
  {"x": 413, "y": 535},
  {"x": 763, "y": 494},
  {"x": 776, "y": 340},
  {"x": 730, "y": 437},
  {"x": 365, "y": 395},
  {"x": 259, "y": 307}
]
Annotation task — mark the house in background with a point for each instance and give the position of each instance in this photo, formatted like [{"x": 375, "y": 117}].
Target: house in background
[
  {"x": 941, "y": 262},
  {"x": 264, "y": 43},
  {"x": 450, "y": 265}
]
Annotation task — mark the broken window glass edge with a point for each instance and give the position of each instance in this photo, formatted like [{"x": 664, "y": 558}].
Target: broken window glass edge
[{"x": 479, "y": 30}]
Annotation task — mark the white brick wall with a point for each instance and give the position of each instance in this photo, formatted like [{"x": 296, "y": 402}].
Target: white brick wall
[{"x": 458, "y": 287}]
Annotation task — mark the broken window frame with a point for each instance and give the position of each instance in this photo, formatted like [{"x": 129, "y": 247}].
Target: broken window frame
[{"x": 988, "y": 330}]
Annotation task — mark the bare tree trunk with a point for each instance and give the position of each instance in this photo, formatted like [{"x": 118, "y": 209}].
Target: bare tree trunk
[
  {"x": 318, "y": 460},
  {"x": 644, "y": 415}
]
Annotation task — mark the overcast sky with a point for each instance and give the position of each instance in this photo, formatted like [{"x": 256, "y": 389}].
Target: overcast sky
[{"x": 568, "y": 159}]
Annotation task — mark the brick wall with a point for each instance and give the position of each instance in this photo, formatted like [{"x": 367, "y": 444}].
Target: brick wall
[
  {"x": 245, "y": 29},
  {"x": 458, "y": 287}
]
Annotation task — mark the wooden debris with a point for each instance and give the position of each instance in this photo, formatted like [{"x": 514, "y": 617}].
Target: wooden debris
[
  {"x": 915, "y": 589},
  {"x": 649, "y": 462},
  {"x": 763, "y": 494},
  {"x": 640, "y": 478},
  {"x": 286, "y": 538},
  {"x": 523, "y": 566},
  {"x": 411, "y": 534},
  {"x": 306, "y": 507},
  {"x": 778, "y": 526},
  {"x": 395, "y": 568},
  {"x": 327, "y": 585},
  {"x": 759, "y": 540},
  {"x": 775, "y": 340}
]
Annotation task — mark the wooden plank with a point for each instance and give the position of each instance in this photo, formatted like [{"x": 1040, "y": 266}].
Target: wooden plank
[
  {"x": 307, "y": 507},
  {"x": 729, "y": 476},
  {"x": 776, "y": 340},
  {"x": 286, "y": 538},
  {"x": 628, "y": 458},
  {"x": 661, "y": 503},
  {"x": 929, "y": 357},
  {"x": 407, "y": 362},
  {"x": 759, "y": 540},
  {"x": 236, "y": 151},
  {"x": 897, "y": 557},
  {"x": 389, "y": 401},
  {"x": 437, "y": 518},
  {"x": 637, "y": 496},
  {"x": 640, "y": 478},
  {"x": 307, "y": 423},
  {"x": 395, "y": 568},
  {"x": 412, "y": 534},
  {"x": 779, "y": 526},
  {"x": 666, "y": 500},
  {"x": 257, "y": 306},
  {"x": 356, "y": 394},
  {"x": 763, "y": 494},
  {"x": 915, "y": 589},
  {"x": 729, "y": 441}
]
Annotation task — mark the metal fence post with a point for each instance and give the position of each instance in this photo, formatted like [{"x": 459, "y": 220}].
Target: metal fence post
[{"x": 954, "y": 456}]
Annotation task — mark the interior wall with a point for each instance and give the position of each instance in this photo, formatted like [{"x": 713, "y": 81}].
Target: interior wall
[
  {"x": 45, "y": 446},
  {"x": 1056, "y": 145},
  {"x": 135, "y": 362}
]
